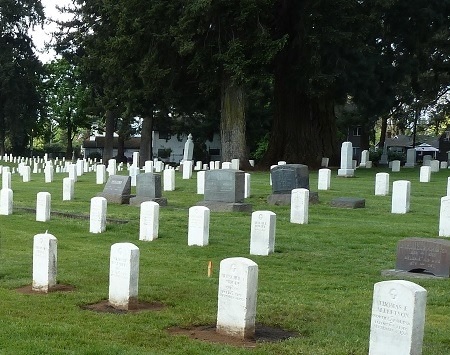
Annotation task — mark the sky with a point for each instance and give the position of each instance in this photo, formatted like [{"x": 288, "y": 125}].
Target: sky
[{"x": 43, "y": 35}]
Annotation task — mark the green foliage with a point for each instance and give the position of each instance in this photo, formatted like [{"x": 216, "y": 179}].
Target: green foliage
[
  {"x": 96, "y": 156},
  {"x": 261, "y": 147}
]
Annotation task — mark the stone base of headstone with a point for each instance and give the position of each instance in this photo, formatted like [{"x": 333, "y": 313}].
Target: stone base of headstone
[
  {"x": 346, "y": 172},
  {"x": 137, "y": 200},
  {"x": 285, "y": 199},
  {"x": 217, "y": 206},
  {"x": 409, "y": 165},
  {"x": 348, "y": 202},
  {"x": 401, "y": 274},
  {"x": 121, "y": 200}
]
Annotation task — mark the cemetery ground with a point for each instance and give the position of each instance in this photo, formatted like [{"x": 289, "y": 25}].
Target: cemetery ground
[{"x": 318, "y": 283}]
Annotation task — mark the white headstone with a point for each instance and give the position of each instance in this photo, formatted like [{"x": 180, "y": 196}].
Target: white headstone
[
  {"x": 169, "y": 180},
  {"x": 395, "y": 166},
  {"x": 198, "y": 226},
  {"x": 401, "y": 191},
  {"x": 188, "y": 148},
  {"x": 149, "y": 221},
  {"x": 448, "y": 186},
  {"x": 247, "y": 185},
  {"x": 398, "y": 318},
  {"x": 364, "y": 158},
  {"x": 80, "y": 167},
  {"x": 97, "y": 216},
  {"x": 159, "y": 166},
  {"x": 44, "y": 262},
  {"x": 381, "y": 184},
  {"x": 201, "y": 182},
  {"x": 299, "y": 206},
  {"x": 43, "y": 205},
  {"x": 281, "y": 162},
  {"x": 26, "y": 173},
  {"x": 238, "y": 284},
  {"x": 434, "y": 164},
  {"x": 68, "y": 189},
  {"x": 72, "y": 168},
  {"x": 346, "y": 169},
  {"x": 212, "y": 165},
  {"x": 444, "y": 217},
  {"x": 6, "y": 179},
  {"x": 112, "y": 167},
  {"x": 198, "y": 165},
  {"x": 133, "y": 172},
  {"x": 235, "y": 164},
  {"x": 324, "y": 179},
  {"x": 425, "y": 173},
  {"x": 100, "y": 174},
  {"x": 217, "y": 165},
  {"x": 369, "y": 164},
  {"x": 262, "y": 233},
  {"x": 148, "y": 166},
  {"x": 48, "y": 173},
  {"x": 226, "y": 165},
  {"x": 426, "y": 160},
  {"x": 444, "y": 165},
  {"x": 324, "y": 162},
  {"x": 6, "y": 202},
  {"x": 136, "y": 159},
  {"x": 123, "y": 276},
  {"x": 187, "y": 169}
]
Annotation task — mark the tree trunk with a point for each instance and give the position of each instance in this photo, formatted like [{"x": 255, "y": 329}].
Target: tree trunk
[
  {"x": 109, "y": 136},
  {"x": 120, "y": 157},
  {"x": 383, "y": 132},
  {"x": 2, "y": 136},
  {"x": 145, "y": 148},
  {"x": 232, "y": 123},
  {"x": 304, "y": 128},
  {"x": 69, "y": 145}
]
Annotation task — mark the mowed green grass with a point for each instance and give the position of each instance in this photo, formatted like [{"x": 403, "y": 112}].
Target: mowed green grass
[{"x": 319, "y": 281}]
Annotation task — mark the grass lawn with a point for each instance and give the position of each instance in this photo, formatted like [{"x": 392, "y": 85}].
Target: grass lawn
[{"x": 319, "y": 281}]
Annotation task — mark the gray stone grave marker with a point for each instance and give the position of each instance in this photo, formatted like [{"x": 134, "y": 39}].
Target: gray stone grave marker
[
  {"x": 117, "y": 189},
  {"x": 148, "y": 188}
]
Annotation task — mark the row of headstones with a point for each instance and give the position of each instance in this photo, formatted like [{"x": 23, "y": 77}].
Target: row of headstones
[{"x": 398, "y": 306}]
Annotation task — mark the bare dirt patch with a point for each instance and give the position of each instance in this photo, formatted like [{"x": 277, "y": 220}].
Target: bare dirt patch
[
  {"x": 28, "y": 290},
  {"x": 208, "y": 333},
  {"x": 105, "y": 307}
]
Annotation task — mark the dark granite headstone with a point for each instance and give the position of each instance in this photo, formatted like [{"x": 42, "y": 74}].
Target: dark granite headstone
[
  {"x": 429, "y": 255},
  {"x": 224, "y": 191},
  {"x": 287, "y": 177},
  {"x": 148, "y": 188},
  {"x": 117, "y": 189},
  {"x": 225, "y": 185}
]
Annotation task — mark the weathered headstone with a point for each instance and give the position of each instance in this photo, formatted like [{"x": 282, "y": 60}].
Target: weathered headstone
[
  {"x": 434, "y": 165},
  {"x": 112, "y": 167},
  {"x": 410, "y": 158},
  {"x": 381, "y": 184},
  {"x": 48, "y": 173},
  {"x": 262, "y": 233},
  {"x": 72, "y": 170},
  {"x": 346, "y": 169},
  {"x": 235, "y": 164},
  {"x": 364, "y": 158},
  {"x": 425, "y": 174},
  {"x": 395, "y": 166},
  {"x": 6, "y": 202},
  {"x": 68, "y": 189},
  {"x": 299, "y": 206},
  {"x": 226, "y": 165},
  {"x": 26, "y": 174},
  {"x": 188, "y": 149},
  {"x": 398, "y": 318},
  {"x": 43, "y": 205},
  {"x": 187, "y": 169},
  {"x": 238, "y": 284},
  {"x": 80, "y": 167},
  {"x": 6, "y": 179},
  {"x": 148, "y": 166},
  {"x": 224, "y": 191},
  {"x": 133, "y": 172},
  {"x": 324, "y": 162},
  {"x": 348, "y": 202},
  {"x": 324, "y": 179},
  {"x": 44, "y": 262},
  {"x": 136, "y": 159},
  {"x": 198, "y": 226},
  {"x": 247, "y": 185},
  {"x": 444, "y": 217},
  {"x": 97, "y": 216},
  {"x": 401, "y": 191},
  {"x": 424, "y": 256},
  {"x": 124, "y": 276},
  {"x": 444, "y": 165},
  {"x": 148, "y": 188},
  {"x": 426, "y": 160},
  {"x": 117, "y": 189}
]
